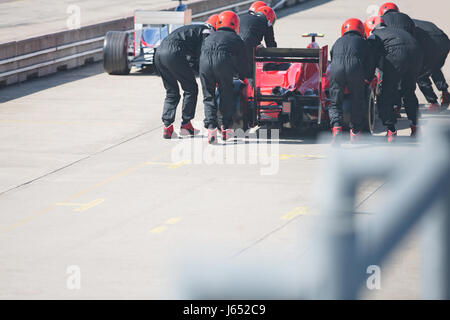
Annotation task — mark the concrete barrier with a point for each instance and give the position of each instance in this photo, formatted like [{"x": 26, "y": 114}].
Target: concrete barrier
[
  {"x": 36, "y": 57},
  {"x": 40, "y": 56}
]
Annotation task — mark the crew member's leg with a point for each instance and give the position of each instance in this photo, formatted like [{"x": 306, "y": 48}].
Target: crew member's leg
[
  {"x": 337, "y": 93},
  {"x": 426, "y": 87},
  {"x": 391, "y": 80},
  {"x": 439, "y": 80},
  {"x": 357, "y": 89},
  {"x": 409, "y": 94},
  {"x": 185, "y": 75},
  {"x": 224, "y": 74},
  {"x": 163, "y": 59},
  {"x": 208, "y": 82}
]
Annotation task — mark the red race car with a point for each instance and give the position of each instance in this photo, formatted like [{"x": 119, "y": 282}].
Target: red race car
[{"x": 290, "y": 90}]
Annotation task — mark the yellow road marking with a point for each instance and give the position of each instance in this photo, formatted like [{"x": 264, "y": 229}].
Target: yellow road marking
[
  {"x": 159, "y": 163},
  {"x": 87, "y": 190},
  {"x": 106, "y": 181},
  {"x": 172, "y": 221},
  {"x": 74, "y": 196},
  {"x": 81, "y": 206},
  {"x": 179, "y": 164},
  {"x": 286, "y": 156},
  {"x": 158, "y": 229},
  {"x": 25, "y": 220},
  {"x": 295, "y": 212},
  {"x": 170, "y": 165}
]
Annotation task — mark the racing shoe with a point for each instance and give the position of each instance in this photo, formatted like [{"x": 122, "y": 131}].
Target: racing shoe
[
  {"x": 434, "y": 107},
  {"x": 188, "y": 130},
  {"x": 445, "y": 100},
  {"x": 212, "y": 136},
  {"x": 227, "y": 134},
  {"x": 337, "y": 136},
  {"x": 391, "y": 136},
  {"x": 354, "y": 137},
  {"x": 413, "y": 130},
  {"x": 168, "y": 131}
]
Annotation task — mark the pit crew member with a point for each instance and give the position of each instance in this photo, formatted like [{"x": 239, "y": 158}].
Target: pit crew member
[
  {"x": 223, "y": 55},
  {"x": 436, "y": 46},
  {"x": 400, "y": 59},
  {"x": 256, "y": 25},
  {"x": 172, "y": 61},
  {"x": 351, "y": 67}
]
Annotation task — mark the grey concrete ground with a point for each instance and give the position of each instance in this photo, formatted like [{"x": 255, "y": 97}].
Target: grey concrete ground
[
  {"x": 87, "y": 184},
  {"x": 23, "y": 19}
]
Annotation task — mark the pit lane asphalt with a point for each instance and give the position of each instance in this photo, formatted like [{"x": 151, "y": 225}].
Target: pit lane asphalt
[
  {"x": 86, "y": 180},
  {"x": 24, "y": 19}
]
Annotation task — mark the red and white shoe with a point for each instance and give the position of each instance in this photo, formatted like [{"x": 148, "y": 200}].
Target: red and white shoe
[
  {"x": 227, "y": 133},
  {"x": 337, "y": 136},
  {"x": 212, "y": 136},
  {"x": 413, "y": 130},
  {"x": 354, "y": 137},
  {"x": 445, "y": 100},
  {"x": 167, "y": 132},
  {"x": 434, "y": 107},
  {"x": 391, "y": 136},
  {"x": 188, "y": 130}
]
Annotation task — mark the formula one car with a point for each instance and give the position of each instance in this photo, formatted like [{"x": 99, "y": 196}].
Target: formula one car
[
  {"x": 290, "y": 90},
  {"x": 124, "y": 49}
]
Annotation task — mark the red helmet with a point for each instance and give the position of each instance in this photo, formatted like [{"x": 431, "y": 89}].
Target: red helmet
[
  {"x": 388, "y": 6},
  {"x": 268, "y": 13},
  {"x": 353, "y": 24},
  {"x": 229, "y": 19},
  {"x": 212, "y": 21},
  {"x": 256, "y": 5},
  {"x": 371, "y": 23}
]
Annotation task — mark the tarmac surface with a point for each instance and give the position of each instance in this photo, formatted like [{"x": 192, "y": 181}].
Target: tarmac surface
[
  {"x": 23, "y": 19},
  {"x": 88, "y": 186}
]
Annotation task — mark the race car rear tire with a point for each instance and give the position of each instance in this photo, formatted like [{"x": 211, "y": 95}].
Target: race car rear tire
[
  {"x": 115, "y": 53},
  {"x": 373, "y": 121}
]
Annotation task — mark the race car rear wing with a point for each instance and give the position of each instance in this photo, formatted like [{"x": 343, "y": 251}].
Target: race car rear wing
[
  {"x": 287, "y": 55},
  {"x": 300, "y": 55},
  {"x": 142, "y": 17},
  {"x": 169, "y": 20}
]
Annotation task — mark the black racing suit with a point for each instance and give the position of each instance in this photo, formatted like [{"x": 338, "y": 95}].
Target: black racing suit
[
  {"x": 399, "y": 20},
  {"x": 171, "y": 60},
  {"x": 436, "y": 45},
  {"x": 223, "y": 56},
  {"x": 402, "y": 62},
  {"x": 352, "y": 64},
  {"x": 252, "y": 30}
]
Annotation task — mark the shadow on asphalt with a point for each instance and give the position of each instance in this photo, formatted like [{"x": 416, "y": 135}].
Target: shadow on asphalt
[
  {"x": 26, "y": 88},
  {"x": 325, "y": 139}
]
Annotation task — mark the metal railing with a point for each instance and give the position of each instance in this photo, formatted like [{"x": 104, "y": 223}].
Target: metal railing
[
  {"x": 52, "y": 61},
  {"x": 418, "y": 188},
  {"x": 416, "y": 192}
]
